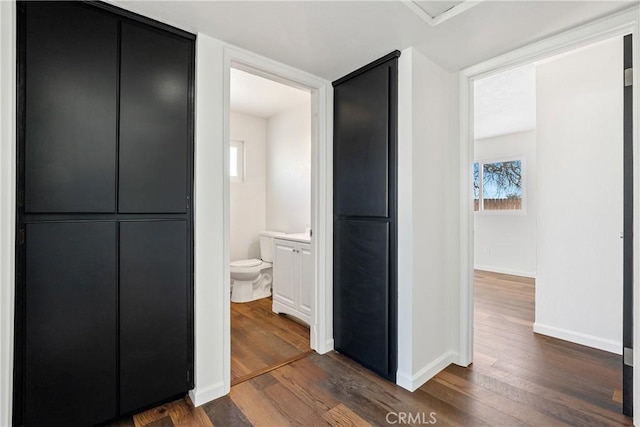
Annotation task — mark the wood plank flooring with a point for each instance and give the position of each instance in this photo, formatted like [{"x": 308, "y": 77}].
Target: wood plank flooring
[
  {"x": 262, "y": 340},
  {"x": 517, "y": 378}
]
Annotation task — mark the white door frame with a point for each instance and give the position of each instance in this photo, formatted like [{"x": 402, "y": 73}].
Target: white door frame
[
  {"x": 7, "y": 202},
  {"x": 321, "y": 188},
  {"x": 619, "y": 24}
]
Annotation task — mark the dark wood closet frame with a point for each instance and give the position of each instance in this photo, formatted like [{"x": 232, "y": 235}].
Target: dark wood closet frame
[{"x": 23, "y": 218}]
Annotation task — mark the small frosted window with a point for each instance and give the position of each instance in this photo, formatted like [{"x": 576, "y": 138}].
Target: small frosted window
[{"x": 236, "y": 161}]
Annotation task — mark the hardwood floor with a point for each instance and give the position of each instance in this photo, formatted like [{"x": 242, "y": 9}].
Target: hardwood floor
[
  {"x": 517, "y": 378},
  {"x": 262, "y": 340},
  {"x": 532, "y": 378}
]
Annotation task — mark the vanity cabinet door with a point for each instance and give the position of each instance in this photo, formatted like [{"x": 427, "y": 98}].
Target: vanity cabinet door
[
  {"x": 293, "y": 279},
  {"x": 284, "y": 289}
]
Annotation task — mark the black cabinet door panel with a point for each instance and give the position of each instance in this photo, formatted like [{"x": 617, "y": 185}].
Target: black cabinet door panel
[
  {"x": 153, "y": 312},
  {"x": 70, "y": 312},
  {"x": 362, "y": 145},
  {"x": 154, "y": 125},
  {"x": 362, "y": 270},
  {"x": 70, "y": 108}
]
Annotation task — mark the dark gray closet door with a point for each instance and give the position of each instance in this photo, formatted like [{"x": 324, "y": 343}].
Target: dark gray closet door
[
  {"x": 364, "y": 275},
  {"x": 154, "y": 125},
  {"x": 153, "y": 312},
  {"x": 70, "y": 138},
  {"x": 362, "y": 270},
  {"x": 70, "y": 309},
  {"x": 362, "y": 145}
]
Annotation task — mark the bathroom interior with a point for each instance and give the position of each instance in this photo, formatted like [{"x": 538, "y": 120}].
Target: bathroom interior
[{"x": 270, "y": 215}]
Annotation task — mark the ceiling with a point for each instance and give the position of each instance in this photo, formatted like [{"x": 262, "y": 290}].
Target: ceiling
[
  {"x": 332, "y": 38},
  {"x": 436, "y": 8},
  {"x": 260, "y": 97},
  {"x": 505, "y": 103}
]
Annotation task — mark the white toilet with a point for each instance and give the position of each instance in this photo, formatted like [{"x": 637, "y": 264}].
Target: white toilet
[{"x": 251, "y": 278}]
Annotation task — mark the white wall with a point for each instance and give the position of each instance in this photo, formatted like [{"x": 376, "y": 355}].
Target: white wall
[
  {"x": 579, "y": 274},
  {"x": 289, "y": 169},
  {"x": 425, "y": 141},
  {"x": 212, "y": 346},
  {"x": 247, "y": 209},
  {"x": 505, "y": 242}
]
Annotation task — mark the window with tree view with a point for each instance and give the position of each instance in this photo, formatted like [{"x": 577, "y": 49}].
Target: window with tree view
[{"x": 497, "y": 186}]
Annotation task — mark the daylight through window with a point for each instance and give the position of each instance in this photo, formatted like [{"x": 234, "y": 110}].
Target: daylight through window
[
  {"x": 497, "y": 186},
  {"x": 236, "y": 161}
]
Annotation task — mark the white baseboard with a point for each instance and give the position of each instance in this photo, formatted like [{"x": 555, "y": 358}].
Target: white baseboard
[
  {"x": 321, "y": 347},
  {"x": 521, "y": 273},
  {"x": 579, "y": 338},
  {"x": 200, "y": 396},
  {"x": 458, "y": 360},
  {"x": 328, "y": 346},
  {"x": 412, "y": 382}
]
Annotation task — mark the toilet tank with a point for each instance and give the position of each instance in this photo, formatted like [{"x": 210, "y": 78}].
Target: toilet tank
[{"x": 266, "y": 244}]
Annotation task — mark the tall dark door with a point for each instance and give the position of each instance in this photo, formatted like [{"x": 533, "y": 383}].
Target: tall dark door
[
  {"x": 154, "y": 125},
  {"x": 154, "y": 345},
  {"x": 364, "y": 215},
  {"x": 71, "y": 343},
  {"x": 627, "y": 330},
  {"x": 104, "y": 245}
]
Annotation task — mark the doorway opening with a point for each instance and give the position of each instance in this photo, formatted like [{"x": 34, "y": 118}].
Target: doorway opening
[
  {"x": 271, "y": 267},
  {"x": 549, "y": 164}
]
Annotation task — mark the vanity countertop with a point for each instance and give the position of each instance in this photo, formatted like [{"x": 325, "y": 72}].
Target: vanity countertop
[{"x": 297, "y": 237}]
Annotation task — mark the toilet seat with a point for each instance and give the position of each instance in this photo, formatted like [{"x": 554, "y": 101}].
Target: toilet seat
[
  {"x": 246, "y": 263},
  {"x": 247, "y": 269}
]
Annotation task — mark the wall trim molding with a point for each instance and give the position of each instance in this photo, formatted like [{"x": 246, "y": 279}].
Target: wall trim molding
[
  {"x": 207, "y": 394},
  {"x": 579, "y": 338},
  {"x": 616, "y": 24},
  {"x": 413, "y": 382},
  {"x": 7, "y": 204},
  {"x": 521, "y": 273}
]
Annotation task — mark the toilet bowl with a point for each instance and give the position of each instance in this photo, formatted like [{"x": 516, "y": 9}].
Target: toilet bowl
[{"x": 251, "y": 279}]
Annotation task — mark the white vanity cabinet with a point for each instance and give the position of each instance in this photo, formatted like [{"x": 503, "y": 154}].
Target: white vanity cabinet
[{"x": 292, "y": 276}]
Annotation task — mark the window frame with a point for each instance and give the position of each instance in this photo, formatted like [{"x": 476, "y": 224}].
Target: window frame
[
  {"x": 487, "y": 160},
  {"x": 240, "y": 160}
]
